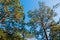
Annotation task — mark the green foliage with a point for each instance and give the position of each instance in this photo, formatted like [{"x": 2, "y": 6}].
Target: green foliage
[
  {"x": 4, "y": 35},
  {"x": 55, "y": 32},
  {"x": 41, "y": 17},
  {"x": 11, "y": 16}
]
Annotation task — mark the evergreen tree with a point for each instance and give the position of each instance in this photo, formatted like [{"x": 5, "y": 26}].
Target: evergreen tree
[
  {"x": 42, "y": 18},
  {"x": 11, "y": 17}
]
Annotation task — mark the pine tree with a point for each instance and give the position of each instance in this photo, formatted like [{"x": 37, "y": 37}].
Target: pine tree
[
  {"x": 42, "y": 18},
  {"x": 11, "y": 16}
]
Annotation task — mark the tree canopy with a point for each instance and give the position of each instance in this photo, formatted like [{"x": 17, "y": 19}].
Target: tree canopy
[
  {"x": 41, "y": 24},
  {"x": 11, "y": 17},
  {"x": 42, "y": 18}
]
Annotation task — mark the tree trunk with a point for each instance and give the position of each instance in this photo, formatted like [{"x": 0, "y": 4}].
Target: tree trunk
[
  {"x": 45, "y": 33},
  {"x": 44, "y": 28}
]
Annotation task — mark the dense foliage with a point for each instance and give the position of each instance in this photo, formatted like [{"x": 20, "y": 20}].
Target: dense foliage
[
  {"x": 11, "y": 19},
  {"x": 41, "y": 24}
]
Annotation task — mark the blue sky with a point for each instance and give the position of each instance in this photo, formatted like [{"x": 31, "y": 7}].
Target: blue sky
[
  {"x": 50, "y": 3},
  {"x": 29, "y": 5},
  {"x": 33, "y": 4}
]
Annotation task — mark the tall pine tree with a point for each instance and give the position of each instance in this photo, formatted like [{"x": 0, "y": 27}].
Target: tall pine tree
[{"x": 41, "y": 19}]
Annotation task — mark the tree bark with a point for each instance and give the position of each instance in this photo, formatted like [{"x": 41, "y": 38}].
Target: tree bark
[
  {"x": 45, "y": 33},
  {"x": 44, "y": 28}
]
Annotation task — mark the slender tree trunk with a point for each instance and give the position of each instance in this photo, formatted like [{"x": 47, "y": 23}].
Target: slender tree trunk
[
  {"x": 44, "y": 28},
  {"x": 45, "y": 33}
]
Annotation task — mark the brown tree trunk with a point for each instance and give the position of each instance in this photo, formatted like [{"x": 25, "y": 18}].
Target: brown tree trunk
[
  {"x": 44, "y": 28},
  {"x": 45, "y": 33}
]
